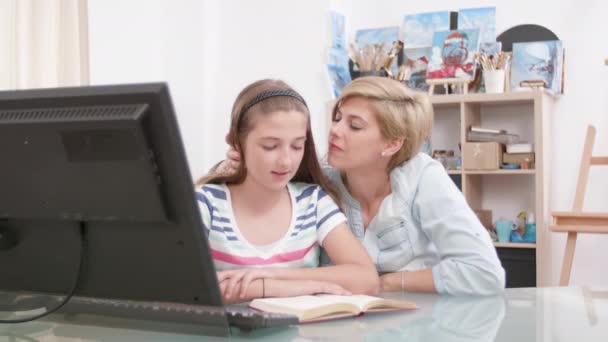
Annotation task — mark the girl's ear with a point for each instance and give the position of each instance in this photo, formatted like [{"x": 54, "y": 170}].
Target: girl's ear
[{"x": 391, "y": 147}]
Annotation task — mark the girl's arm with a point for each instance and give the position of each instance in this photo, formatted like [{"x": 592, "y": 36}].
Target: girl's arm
[
  {"x": 353, "y": 270},
  {"x": 263, "y": 288}
]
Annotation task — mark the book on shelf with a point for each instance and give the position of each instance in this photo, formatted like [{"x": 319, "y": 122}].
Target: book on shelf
[
  {"x": 326, "y": 307},
  {"x": 503, "y": 138},
  {"x": 487, "y": 130}
]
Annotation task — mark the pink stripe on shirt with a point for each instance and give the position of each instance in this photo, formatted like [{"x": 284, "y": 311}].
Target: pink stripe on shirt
[{"x": 246, "y": 261}]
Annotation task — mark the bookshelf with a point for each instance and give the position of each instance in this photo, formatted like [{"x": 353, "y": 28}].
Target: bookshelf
[{"x": 505, "y": 192}]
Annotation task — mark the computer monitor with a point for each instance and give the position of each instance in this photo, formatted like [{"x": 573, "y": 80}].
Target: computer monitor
[{"x": 105, "y": 162}]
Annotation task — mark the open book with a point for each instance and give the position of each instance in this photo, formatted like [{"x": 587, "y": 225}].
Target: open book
[{"x": 325, "y": 307}]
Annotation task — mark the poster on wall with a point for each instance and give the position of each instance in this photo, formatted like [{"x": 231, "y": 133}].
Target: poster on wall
[{"x": 453, "y": 54}]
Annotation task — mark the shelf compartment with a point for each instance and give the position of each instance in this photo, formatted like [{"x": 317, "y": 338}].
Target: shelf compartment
[
  {"x": 514, "y": 245},
  {"x": 500, "y": 172}
]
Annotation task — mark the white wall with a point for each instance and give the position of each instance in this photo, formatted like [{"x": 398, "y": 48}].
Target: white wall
[
  {"x": 153, "y": 41},
  {"x": 208, "y": 50}
]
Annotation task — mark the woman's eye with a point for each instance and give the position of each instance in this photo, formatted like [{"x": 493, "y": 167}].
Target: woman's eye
[
  {"x": 297, "y": 148},
  {"x": 337, "y": 118},
  {"x": 355, "y": 127},
  {"x": 268, "y": 148}
]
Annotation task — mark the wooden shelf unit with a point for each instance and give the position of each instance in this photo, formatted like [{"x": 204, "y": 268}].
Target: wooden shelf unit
[{"x": 527, "y": 112}]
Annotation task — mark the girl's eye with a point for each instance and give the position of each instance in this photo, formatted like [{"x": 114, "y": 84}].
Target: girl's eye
[
  {"x": 355, "y": 127},
  {"x": 297, "y": 148},
  {"x": 268, "y": 148},
  {"x": 337, "y": 118}
]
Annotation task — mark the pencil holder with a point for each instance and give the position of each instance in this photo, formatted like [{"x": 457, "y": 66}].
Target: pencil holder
[{"x": 494, "y": 80}]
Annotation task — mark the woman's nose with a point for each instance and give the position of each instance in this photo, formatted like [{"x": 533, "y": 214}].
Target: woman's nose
[{"x": 335, "y": 129}]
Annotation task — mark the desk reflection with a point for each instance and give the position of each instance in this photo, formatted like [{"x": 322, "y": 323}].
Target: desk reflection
[
  {"x": 445, "y": 318},
  {"x": 527, "y": 314}
]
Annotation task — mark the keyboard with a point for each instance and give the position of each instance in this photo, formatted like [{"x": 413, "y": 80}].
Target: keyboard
[{"x": 239, "y": 316}]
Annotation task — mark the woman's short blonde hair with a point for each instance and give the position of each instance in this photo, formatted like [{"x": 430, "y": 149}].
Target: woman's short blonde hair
[{"x": 402, "y": 113}]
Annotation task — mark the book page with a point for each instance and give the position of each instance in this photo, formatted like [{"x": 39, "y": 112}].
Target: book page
[
  {"x": 298, "y": 303},
  {"x": 369, "y": 302},
  {"x": 307, "y": 308},
  {"x": 361, "y": 301}
]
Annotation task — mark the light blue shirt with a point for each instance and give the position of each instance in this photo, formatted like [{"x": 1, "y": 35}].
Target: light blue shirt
[{"x": 426, "y": 222}]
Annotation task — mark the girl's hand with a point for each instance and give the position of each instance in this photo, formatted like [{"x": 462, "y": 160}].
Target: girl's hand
[
  {"x": 311, "y": 287},
  {"x": 238, "y": 281}
]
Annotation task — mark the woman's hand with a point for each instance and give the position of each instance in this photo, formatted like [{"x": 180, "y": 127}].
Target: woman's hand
[
  {"x": 230, "y": 164},
  {"x": 237, "y": 282},
  {"x": 390, "y": 282}
]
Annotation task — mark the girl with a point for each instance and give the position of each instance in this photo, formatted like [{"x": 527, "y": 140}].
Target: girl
[{"x": 271, "y": 213}]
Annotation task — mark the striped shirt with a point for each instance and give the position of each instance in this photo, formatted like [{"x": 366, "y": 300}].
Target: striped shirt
[{"x": 314, "y": 215}]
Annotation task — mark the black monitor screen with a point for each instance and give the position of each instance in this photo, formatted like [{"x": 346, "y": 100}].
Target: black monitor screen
[{"x": 106, "y": 162}]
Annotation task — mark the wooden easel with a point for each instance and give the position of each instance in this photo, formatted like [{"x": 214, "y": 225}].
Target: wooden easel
[
  {"x": 577, "y": 221},
  {"x": 448, "y": 82}
]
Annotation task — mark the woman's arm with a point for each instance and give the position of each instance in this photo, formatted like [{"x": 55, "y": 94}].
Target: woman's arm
[
  {"x": 469, "y": 263},
  {"x": 415, "y": 281}
]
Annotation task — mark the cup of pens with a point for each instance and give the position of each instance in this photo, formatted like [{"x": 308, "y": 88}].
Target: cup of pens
[
  {"x": 373, "y": 59},
  {"x": 494, "y": 79},
  {"x": 493, "y": 70}
]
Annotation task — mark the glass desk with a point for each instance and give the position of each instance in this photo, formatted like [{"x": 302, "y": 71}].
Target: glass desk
[{"x": 525, "y": 314}]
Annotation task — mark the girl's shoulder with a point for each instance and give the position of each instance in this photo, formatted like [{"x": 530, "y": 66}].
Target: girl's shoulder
[
  {"x": 217, "y": 191},
  {"x": 305, "y": 192},
  {"x": 301, "y": 187}
]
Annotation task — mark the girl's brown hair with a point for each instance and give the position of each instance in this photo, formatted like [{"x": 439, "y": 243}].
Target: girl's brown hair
[{"x": 248, "y": 105}]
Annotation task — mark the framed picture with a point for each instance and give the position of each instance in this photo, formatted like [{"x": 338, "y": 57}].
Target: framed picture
[
  {"x": 541, "y": 61},
  {"x": 453, "y": 54}
]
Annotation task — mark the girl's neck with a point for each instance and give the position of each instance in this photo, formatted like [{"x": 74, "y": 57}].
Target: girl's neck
[
  {"x": 369, "y": 186},
  {"x": 257, "y": 196}
]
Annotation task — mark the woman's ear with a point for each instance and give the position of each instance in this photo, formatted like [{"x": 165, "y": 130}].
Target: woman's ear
[{"x": 391, "y": 147}]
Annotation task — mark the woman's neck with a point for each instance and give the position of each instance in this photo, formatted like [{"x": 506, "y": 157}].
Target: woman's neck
[{"x": 368, "y": 187}]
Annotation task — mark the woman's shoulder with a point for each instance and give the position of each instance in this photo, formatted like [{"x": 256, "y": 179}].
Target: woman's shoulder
[
  {"x": 416, "y": 166},
  {"x": 406, "y": 177}
]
